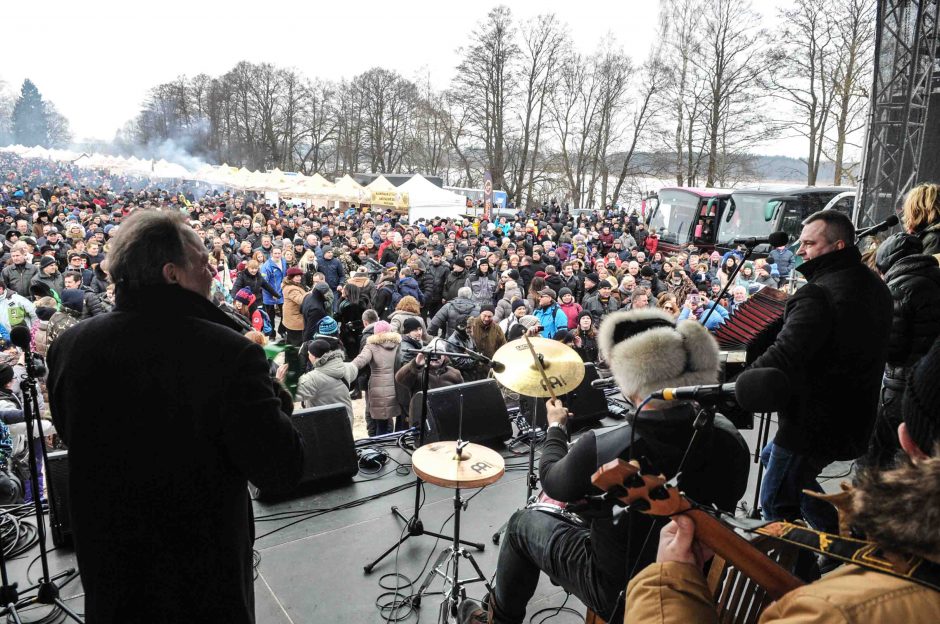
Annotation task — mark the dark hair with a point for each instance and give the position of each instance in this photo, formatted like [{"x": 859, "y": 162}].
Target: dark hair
[
  {"x": 144, "y": 243},
  {"x": 75, "y": 275},
  {"x": 838, "y": 226}
]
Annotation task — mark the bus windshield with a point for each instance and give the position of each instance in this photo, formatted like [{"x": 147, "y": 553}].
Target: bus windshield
[
  {"x": 746, "y": 220},
  {"x": 674, "y": 216}
]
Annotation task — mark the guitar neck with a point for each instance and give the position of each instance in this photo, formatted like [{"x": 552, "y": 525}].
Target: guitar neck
[{"x": 744, "y": 556}]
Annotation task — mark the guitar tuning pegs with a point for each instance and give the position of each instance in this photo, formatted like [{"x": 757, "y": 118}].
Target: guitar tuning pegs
[
  {"x": 659, "y": 493},
  {"x": 635, "y": 481}
]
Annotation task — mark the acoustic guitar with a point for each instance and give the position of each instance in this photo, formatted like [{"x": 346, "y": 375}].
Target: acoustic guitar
[{"x": 652, "y": 495}]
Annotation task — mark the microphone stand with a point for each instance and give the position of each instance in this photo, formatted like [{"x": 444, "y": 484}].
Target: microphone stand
[
  {"x": 48, "y": 591},
  {"x": 724, "y": 291},
  {"x": 413, "y": 525}
]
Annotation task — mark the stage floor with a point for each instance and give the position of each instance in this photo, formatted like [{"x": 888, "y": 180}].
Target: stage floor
[{"x": 312, "y": 570}]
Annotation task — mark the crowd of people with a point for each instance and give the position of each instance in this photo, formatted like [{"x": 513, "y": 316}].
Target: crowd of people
[{"x": 358, "y": 295}]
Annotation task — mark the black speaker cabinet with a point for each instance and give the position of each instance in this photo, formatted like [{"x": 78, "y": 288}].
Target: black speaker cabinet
[
  {"x": 485, "y": 418},
  {"x": 329, "y": 452},
  {"x": 57, "y": 485}
]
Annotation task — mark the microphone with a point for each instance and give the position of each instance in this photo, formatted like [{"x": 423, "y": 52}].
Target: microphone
[
  {"x": 774, "y": 239},
  {"x": 604, "y": 382},
  {"x": 755, "y": 390},
  {"x": 888, "y": 223},
  {"x": 20, "y": 337}
]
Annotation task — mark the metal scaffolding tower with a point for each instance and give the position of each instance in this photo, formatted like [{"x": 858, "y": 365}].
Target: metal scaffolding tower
[{"x": 905, "y": 52}]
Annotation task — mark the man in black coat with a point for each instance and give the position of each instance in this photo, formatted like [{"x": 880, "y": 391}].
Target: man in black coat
[
  {"x": 438, "y": 270},
  {"x": 832, "y": 346},
  {"x": 159, "y": 471}
]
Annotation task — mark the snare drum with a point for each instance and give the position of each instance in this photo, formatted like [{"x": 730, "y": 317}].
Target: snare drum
[{"x": 558, "y": 509}]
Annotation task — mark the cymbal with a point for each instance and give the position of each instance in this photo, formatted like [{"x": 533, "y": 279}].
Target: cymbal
[
  {"x": 563, "y": 367},
  {"x": 437, "y": 463}
]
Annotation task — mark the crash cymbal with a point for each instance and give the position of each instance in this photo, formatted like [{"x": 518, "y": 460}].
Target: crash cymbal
[
  {"x": 437, "y": 463},
  {"x": 563, "y": 367}
]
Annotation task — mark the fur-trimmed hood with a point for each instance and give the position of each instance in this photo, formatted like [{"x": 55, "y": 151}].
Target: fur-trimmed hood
[
  {"x": 648, "y": 351},
  {"x": 387, "y": 340},
  {"x": 900, "y": 509}
]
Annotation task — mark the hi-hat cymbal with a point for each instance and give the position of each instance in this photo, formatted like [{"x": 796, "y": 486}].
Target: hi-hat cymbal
[
  {"x": 563, "y": 367},
  {"x": 437, "y": 463}
]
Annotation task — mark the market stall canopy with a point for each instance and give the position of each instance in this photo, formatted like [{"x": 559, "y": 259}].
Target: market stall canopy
[
  {"x": 384, "y": 193},
  {"x": 427, "y": 200},
  {"x": 349, "y": 190}
]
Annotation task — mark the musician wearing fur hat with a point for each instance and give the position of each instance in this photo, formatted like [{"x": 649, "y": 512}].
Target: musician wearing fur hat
[
  {"x": 647, "y": 351},
  {"x": 895, "y": 576}
]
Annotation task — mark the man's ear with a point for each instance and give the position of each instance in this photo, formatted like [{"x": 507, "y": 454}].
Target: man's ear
[
  {"x": 907, "y": 443},
  {"x": 171, "y": 273}
]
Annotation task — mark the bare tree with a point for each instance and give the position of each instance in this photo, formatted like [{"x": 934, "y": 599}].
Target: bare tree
[
  {"x": 731, "y": 63},
  {"x": 575, "y": 112},
  {"x": 486, "y": 77},
  {"x": 851, "y": 75},
  {"x": 543, "y": 40},
  {"x": 800, "y": 74}
]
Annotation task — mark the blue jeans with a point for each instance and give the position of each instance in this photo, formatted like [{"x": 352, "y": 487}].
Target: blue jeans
[{"x": 786, "y": 475}]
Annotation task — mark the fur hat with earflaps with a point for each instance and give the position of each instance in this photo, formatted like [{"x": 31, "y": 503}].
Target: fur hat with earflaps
[{"x": 647, "y": 351}]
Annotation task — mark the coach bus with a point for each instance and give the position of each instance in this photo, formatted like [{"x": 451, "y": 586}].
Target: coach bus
[
  {"x": 682, "y": 215},
  {"x": 756, "y": 212}
]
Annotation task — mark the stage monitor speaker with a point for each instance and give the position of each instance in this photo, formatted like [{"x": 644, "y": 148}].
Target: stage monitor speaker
[
  {"x": 329, "y": 451},
  {"x": 485, "y": 418},
  {"x": 57, "y": 486}
]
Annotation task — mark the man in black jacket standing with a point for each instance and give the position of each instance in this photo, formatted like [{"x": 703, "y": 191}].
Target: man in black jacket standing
[
  {"x": 158, "y": 472},
  {"x": 832, "y": 346}
]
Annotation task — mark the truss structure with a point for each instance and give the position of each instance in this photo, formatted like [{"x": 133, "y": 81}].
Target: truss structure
[{"x": 905, "y": 58}]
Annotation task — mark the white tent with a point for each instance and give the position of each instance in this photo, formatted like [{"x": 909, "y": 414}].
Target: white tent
[{"x": 428, "y": 200}]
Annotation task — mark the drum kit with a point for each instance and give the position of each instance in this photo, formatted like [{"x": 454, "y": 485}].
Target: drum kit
[{"x": 533, "y": 367}]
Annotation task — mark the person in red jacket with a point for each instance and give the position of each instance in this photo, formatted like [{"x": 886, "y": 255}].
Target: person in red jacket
[{"x": 652, "y": 243}]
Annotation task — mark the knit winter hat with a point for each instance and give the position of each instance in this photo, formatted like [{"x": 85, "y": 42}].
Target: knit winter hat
[
  {"x": 73, "y": 299},
  {"x": 6, "y": 374},
  {"x": 528, "y": 321},
  {"x": 648, "y": 351},
  {"x": 244, "y": 296},
  {"x": 318, "y": 347},
  {"x": 381, "y": 327},
  {"x": 582, "y": 314},
  {"x": 291, "y": 272},
  {"x": 410, "y": 324},
  {"x": 594, "y": 277},
  {"x": 564, "y": 291},
  {"x": 328, "y": 326},
  {"x": 518, "y": 303},
  {"x": 46, "y": 261},
  {"x": 921, "y": 406},
  {"x": 488, "y": 307}
]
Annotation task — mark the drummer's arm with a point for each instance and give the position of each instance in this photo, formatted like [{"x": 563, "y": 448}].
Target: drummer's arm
[{"x": 566, "y": 472}]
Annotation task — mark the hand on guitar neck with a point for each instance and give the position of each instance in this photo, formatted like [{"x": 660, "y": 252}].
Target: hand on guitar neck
[{"x": 651, "y": 495}]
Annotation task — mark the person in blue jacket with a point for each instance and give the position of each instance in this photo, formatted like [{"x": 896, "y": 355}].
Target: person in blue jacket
[
  {"x": 696, "y": 307},
  {"x": 273, "y": 271},
  {"x": 551, "y": 318}
]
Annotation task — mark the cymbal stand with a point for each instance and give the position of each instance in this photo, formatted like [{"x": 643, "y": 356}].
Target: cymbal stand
[
  {"x": 451, "y": 555},
  {"x": 534, "y": 434},
  {"x": 48, "y": 591},
  {"x": 413, "y": 525}
]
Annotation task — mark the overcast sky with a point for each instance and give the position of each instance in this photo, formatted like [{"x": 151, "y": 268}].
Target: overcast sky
[{"x": 96, "y": 59}]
